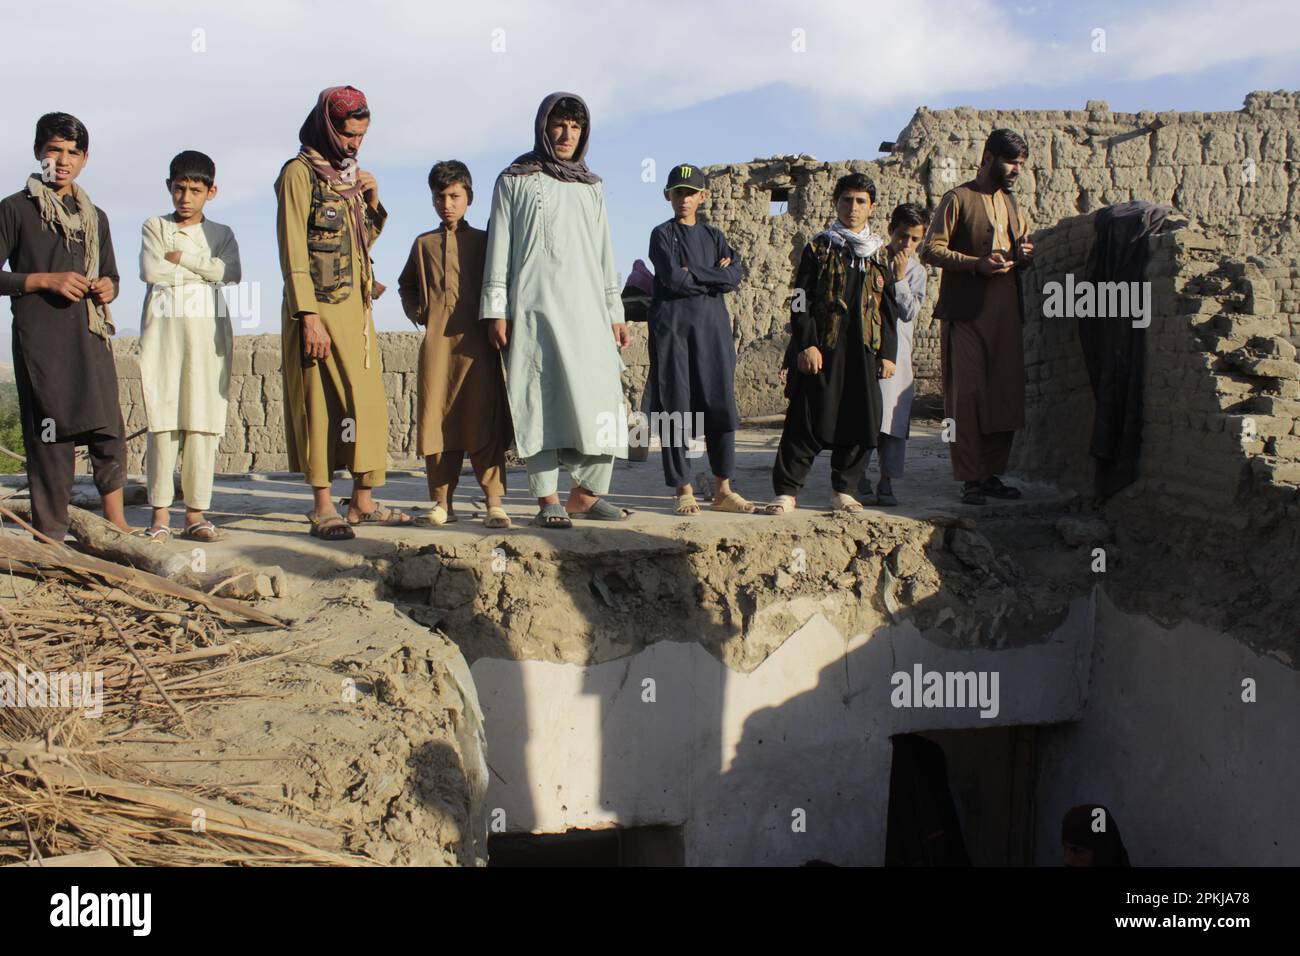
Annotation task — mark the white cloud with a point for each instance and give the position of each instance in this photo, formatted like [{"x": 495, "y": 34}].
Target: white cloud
[
  {"x": 130, "y": 72},
  {"x": 1181, "y": 38}
]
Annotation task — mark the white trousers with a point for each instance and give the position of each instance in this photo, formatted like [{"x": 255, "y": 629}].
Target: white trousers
[{"x": 198, "y": 454}]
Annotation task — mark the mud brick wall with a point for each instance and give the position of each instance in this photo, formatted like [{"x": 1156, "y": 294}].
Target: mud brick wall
[
  {"x": 254, "y": 438},
  {"x": 1233, "y": 175},
  {"x": 1221, "y": 403},
  {"x": 1058, "y": 397}
]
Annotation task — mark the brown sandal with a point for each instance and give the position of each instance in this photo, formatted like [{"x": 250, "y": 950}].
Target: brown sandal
[
  {"x": 379, "y": 515},
  {"x": 204, "y": 531},
  {"x": 331, "y": 527}
]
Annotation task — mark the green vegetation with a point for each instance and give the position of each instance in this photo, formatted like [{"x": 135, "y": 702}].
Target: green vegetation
[{"x": 11, "y": 430}]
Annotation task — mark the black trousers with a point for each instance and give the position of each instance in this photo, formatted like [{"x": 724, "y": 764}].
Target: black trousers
[
  {"x": 721, "y": 448},
  {"x": 795, "y": 455},
  {"x": 50, "y": 469}
]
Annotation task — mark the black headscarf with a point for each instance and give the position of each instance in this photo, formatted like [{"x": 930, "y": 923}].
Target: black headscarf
[
  {"x": 542, "y": 159},
  {"x": 1107, "y": 846}
]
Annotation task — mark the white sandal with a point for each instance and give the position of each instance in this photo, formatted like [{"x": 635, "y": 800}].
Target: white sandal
[
  {"x": 846, "y": 503},
  {"x": 780, "y": 505}
]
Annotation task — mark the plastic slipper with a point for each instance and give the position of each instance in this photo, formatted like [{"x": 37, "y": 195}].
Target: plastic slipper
[
  {"x": 496, "y": 517},
  {"x": 553, "y": 516},
  {"x": 201, "y": 531},
  {"x": 687, "y": 505},
  {"x": 602, "y": 510},
  {"x": 733, "y": 503},
  {"x": 330, "y": 527},
  {"x": 432, "y": 518},
  {"x": 780, "y": 505},
  {"x": 845, "y": 503},
  {"x": 161, "y": 535}
]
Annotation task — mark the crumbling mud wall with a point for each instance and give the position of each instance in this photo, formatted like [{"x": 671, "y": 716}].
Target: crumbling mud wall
[
  {"x": 254, "y": 438},
  {"x": 1233, "y": 175},
  {"x": 589, "y": 600},
  {"x": 1214, "y": 510}
]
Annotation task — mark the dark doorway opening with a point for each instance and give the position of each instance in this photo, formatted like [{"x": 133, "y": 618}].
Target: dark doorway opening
[
  {"x": 614, "y": 846},
  {"x": 962, "y": 798}
]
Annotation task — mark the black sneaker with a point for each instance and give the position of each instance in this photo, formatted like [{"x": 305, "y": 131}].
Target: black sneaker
[
  {"x": 994, "y": 488},
  {"x": 972, "y": 493}
]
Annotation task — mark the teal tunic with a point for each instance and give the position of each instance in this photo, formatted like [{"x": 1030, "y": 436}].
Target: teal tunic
[{"x": 550, "y": 271}]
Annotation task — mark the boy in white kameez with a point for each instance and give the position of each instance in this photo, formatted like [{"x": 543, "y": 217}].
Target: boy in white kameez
[
  {"x": 906, "y": 230},
  {"x": 185, "y": 345}
]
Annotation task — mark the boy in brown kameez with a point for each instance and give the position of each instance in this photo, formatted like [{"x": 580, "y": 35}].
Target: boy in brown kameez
[{"x": 462, "y": 407}]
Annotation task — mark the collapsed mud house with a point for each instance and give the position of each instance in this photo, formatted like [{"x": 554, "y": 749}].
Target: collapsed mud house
[{"x": 725, "y": 690}]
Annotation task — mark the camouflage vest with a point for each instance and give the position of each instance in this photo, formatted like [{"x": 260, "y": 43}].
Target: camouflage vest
[
  {"x": 829, "y": 303},
  {"x": 329, "y": 243}
]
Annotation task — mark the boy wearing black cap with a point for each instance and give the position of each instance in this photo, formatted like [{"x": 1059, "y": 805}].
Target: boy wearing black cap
[{"x": 692, "y": 355}]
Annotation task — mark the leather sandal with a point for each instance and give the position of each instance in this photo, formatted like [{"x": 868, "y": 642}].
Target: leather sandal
[
  {"x": 330, "y": 527},
  {"x": 201, "y": 531},
  {"x": 379, "y": 515}
]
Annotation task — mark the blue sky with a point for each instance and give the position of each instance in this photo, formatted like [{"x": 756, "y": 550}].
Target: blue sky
[{"x": 671, "y": 81}]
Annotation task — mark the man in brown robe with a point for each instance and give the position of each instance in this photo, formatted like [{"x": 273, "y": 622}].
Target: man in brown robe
[
  {"x": 979, "y": 239},
  {"x": 462, "y": 406},
  {"x": 335, "y": 409}
]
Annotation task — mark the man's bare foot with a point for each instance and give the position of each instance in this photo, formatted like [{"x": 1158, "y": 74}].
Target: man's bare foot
[
  {"x": 580, "y": 500},
  {"x": 722, "y": 488},
  {"x": 114, "y": 507}
]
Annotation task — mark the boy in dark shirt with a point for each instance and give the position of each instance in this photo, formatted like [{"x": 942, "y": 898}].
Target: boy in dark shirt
[
  {"x": 62, "y": 276},
  {"x": 692, "y": 356},
  {"x": 843, "y": 340}
]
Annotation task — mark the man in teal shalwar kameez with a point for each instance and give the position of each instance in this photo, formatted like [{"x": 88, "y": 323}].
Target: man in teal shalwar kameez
[{"x": 553, "y": 296}]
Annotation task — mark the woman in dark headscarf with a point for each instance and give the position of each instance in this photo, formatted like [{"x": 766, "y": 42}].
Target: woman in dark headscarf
[{"x": 1090, "y": 837}]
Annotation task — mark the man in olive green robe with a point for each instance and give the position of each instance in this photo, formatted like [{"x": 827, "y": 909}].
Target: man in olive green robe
[{"x": 335, "y": 409}]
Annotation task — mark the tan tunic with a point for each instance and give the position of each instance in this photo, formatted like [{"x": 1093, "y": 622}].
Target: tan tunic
[
  {"x": 982, "y": 344},
  {"x": 335, "y": 410},
  {"x": 462, "y": 402}
]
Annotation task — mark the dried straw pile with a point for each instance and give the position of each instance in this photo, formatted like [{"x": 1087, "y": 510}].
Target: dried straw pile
[{"x": 163, "y": 651}]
